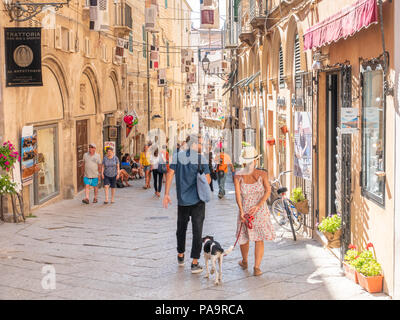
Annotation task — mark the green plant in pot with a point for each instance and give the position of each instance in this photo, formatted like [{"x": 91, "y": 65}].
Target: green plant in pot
[
  {"x": 349, "y": 271},
  {"x": 331, "y": 228},
  {"x": 299, "y": 200},
  {"x": 369, "y": 271}
]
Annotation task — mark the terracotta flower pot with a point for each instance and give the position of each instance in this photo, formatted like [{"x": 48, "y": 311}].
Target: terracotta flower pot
[
  {"x": 333, "y": 238},
  {"x": 350, "y": 272},
  {"x": 371, "y": 284}
]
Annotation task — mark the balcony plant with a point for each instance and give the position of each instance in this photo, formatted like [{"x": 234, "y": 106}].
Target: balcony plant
[
  {"x": 331, "y": 228},
  {"x": 369, "y": 271},
  {"x": 299, "y": 200},
  {"x": 349, "y": 270}
]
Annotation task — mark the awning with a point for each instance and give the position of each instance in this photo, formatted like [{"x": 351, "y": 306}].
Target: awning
[
  {"x": 341, "y": 25},
  {"x": 251, "y": 79},
  {"x": 240, "y": 82}
]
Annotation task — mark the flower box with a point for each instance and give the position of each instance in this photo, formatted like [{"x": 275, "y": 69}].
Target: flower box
[
  {"x": 333, "y": 238},
  {"x": 371, "y": 284},
  {"x": 350, "y": 272}
]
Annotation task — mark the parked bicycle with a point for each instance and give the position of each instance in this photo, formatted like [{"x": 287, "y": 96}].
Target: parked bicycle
[{"x": 283, "y": 209}]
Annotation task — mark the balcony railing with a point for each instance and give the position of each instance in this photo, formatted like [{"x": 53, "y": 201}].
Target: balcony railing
[
  {"x": 123, "y": 17},
  {"x": 258, "y": 13},
  {"x": 246, "y": 30}
]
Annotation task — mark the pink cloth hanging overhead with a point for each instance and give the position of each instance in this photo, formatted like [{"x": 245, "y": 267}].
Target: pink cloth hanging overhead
[{"x": 341, "y": 25}]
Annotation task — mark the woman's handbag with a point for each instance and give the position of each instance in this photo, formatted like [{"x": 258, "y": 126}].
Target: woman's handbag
[{"x": 203, "y": 188}]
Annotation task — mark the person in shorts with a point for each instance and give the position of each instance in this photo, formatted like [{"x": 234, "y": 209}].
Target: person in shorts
[
  {"x": 92, "y": 165},
  {"x": 110, "y": 173},
  {"x": 145, "y": 163}
]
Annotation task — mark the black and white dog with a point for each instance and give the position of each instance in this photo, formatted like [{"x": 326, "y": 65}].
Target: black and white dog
[{"x": 214, "y": 252}]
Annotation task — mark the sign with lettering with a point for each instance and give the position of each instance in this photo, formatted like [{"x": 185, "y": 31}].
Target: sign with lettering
[{"x": 23, "y": 57}]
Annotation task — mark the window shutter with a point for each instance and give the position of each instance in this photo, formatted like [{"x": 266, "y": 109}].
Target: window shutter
[
  {"x": 297, "y": 63},
  {"x": 144, "y": 36},
  {"x": 281, "y": 71},
  {"x": 166, "y": 4},
  {"x": 167, "y": 53}
]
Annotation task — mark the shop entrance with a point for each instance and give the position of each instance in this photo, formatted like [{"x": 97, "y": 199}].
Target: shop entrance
[
  {"x": 338, "y": 151},
  {"x": 81, "y": 149},
  {"x": 331, "y": 141}
]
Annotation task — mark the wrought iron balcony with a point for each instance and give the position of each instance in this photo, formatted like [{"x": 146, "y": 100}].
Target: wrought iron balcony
[
  {"x": 123, "y": 19},
  {"x": 258, "y": 14},
  {"x": 246, "y": 30}
]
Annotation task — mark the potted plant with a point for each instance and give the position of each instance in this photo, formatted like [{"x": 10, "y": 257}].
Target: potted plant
[
  {"x": 350, "y": 271},
  {"x": 299, "y": 200},
  {"x": 369, "y": 271},
  {"x": 331, "y": 228}
]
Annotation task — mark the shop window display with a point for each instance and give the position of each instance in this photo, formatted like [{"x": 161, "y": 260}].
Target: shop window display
[
  {"x": 46, "y": 185},
  {"x": 373, "y": 135}
]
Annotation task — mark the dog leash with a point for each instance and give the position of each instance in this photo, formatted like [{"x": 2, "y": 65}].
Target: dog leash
[{"x": 249, "y": 224}]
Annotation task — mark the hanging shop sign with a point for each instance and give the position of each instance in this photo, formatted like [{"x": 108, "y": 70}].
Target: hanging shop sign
[
  {"x": 23, "y": 57},
  {"x": 349, "y": 120},
  {"x": 162, "y": 77},
  {"x": 150, "y": 12},
  {"x": 28, "y": 154},
  {"x": 302, "y": 145},
  {"x": 209, "y": 14},
  {"x": 130, "y": 120}
]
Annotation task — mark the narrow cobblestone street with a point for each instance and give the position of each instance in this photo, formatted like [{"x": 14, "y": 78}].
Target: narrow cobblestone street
[{"x": 127, "y": 250}]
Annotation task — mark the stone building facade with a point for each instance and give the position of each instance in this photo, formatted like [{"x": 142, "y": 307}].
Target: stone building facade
[
  {"x": 87, "y": 88},
  {"x": 321, "y": 73}
]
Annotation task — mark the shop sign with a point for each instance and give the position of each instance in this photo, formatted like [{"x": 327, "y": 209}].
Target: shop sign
[
  {"x": 349, "y": 120},
  {"x": 23, "y": 57},
  {"x": 302, "y": 145}
]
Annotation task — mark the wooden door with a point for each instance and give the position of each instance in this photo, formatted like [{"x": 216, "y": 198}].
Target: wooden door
[{"x": 81, "y": 149}]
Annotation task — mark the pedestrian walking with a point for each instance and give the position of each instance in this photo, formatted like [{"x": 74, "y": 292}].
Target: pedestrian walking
[
  {"x": 223, "y": 161},
  {"x": 145, "y": 163},
  {"x": 110, "y": 173},
  {"x": 92, "y": 165},
  {"x": 184, "y": 167},
  {"x": 252, "y": 190},
  {"x": 212, "y": 167},
  {"x": 157, "y": 160}
]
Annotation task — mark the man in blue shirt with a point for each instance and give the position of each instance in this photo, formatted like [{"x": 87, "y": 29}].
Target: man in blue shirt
[{"x": 185, "y": 166}]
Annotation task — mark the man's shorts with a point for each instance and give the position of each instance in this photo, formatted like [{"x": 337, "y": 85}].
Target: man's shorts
[
  {"x": 110, "y": 181},
  {"x": 93, "y": 182}
]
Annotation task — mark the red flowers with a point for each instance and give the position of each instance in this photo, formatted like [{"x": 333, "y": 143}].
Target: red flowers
[
  {"x": 352, "y": 246},
  {"x": 369, "y": 245}
]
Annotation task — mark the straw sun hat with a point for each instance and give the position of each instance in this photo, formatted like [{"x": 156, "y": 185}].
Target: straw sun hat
[{"x": 249, "y": 154}]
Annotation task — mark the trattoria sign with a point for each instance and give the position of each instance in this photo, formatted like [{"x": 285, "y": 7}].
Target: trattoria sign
[{"x": 23, "y": 57}]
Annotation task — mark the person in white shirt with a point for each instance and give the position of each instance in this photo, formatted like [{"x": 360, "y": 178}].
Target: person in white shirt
[
  {"x": 92, "y": 165},
  {"x": 155, "y": 159}
]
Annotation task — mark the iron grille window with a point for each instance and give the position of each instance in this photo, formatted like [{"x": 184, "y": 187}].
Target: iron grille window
[{"x": 281, "y": 72}]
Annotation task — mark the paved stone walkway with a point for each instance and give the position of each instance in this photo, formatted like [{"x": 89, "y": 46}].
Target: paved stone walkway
[{"x": 127, "y": 250}]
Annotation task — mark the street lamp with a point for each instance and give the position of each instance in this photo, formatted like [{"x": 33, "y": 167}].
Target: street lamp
[
  {"x": 206, "y": 64},
  {"x": 23, "y": 11}
]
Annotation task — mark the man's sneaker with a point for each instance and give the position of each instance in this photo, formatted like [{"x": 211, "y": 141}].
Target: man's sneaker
[
  {"x": 196, "y": 268},
  {"x": 181, "y": 261}
]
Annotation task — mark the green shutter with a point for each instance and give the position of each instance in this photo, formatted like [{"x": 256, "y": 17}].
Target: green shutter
[
  {"x": 166, "y": 4},
  {"x": 144, "y": 42},
  {"x": 167, "y": 53},
  {"x": 236, "y": 10}
]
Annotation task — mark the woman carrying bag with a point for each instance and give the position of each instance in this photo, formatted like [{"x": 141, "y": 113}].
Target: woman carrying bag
[{"x": 158, "y": 167}]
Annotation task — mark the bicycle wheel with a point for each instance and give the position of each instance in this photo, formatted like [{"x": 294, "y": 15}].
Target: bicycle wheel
[
  {"x": 290, "y": 218},
  {"x": 281, "y": 218}
]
